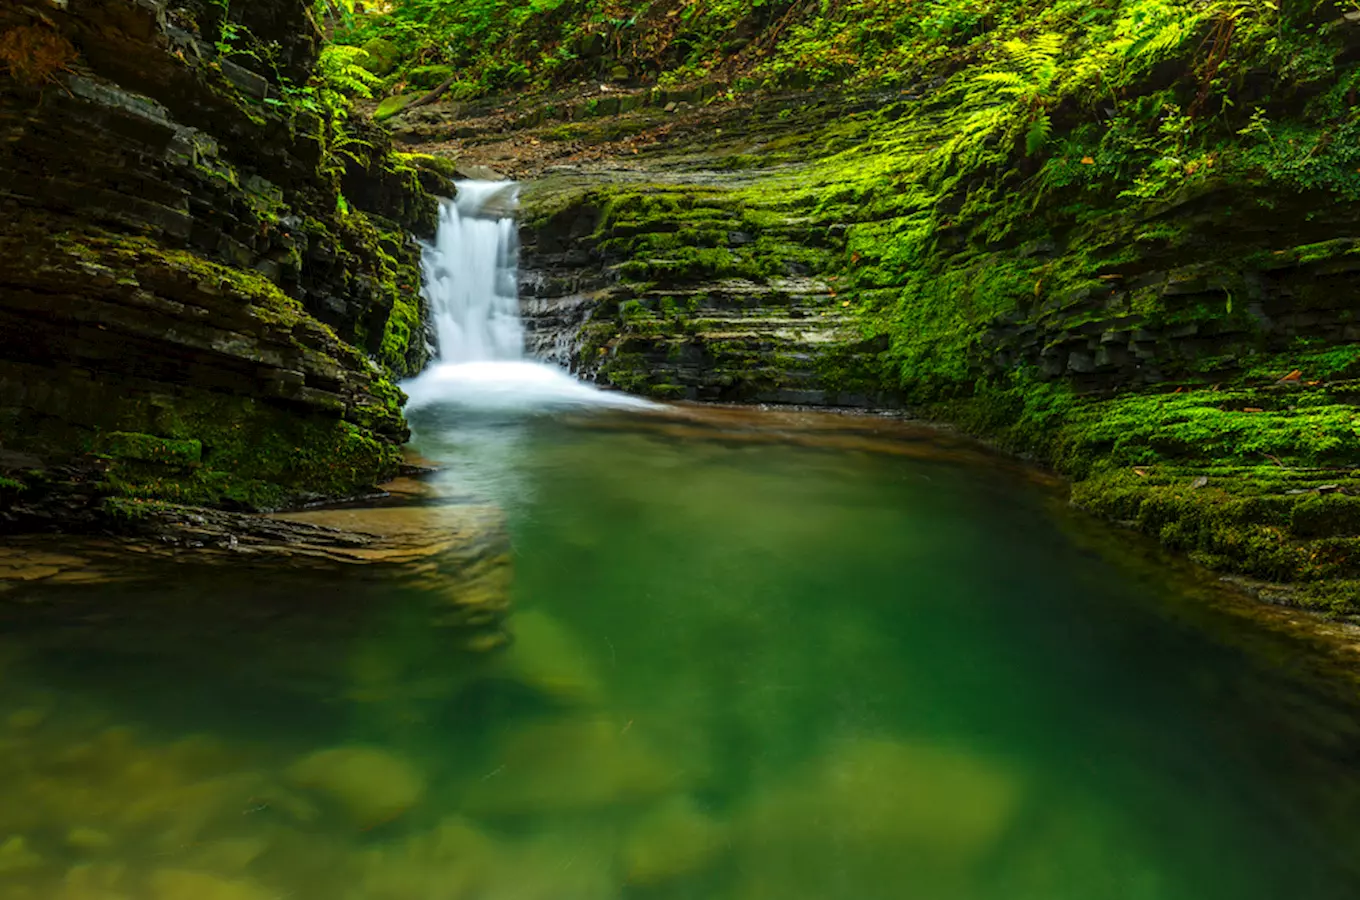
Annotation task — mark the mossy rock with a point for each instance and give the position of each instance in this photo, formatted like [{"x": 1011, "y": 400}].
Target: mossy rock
[
  {"x": 429, "y": 77},
  {"x": 1327, "y": 514},
  {"x": 383, "y": 56},
  {"x": 390, "y": 106},
  {"x": 149, "y": 448},
  {"x": 440, "y": 165}
]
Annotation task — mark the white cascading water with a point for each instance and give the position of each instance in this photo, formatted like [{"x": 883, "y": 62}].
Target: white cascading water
[{"x": 471, "y": 275}]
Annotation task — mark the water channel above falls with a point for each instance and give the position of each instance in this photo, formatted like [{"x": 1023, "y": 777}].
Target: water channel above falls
[{"x": 756, "y": 656}]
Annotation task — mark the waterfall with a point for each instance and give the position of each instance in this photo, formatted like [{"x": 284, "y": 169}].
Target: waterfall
[
  {"x": 472, "y": 272},
  {"x": 471, "y": 282}
]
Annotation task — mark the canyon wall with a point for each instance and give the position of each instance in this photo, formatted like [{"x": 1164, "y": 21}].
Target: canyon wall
[{"x": 208, "y": 276}]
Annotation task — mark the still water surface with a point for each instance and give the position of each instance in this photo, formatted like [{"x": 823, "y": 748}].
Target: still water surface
[{"x": 756, "y": 658}]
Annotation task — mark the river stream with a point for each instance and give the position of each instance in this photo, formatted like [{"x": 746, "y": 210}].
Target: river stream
[{"x": 757, "y": 655}]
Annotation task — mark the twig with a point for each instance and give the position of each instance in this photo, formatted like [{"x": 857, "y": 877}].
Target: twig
[{"x": 426, "y": 100}]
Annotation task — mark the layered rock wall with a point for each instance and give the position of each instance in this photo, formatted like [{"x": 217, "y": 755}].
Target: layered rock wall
[
  {"x": 690, "y": 272},
  {"x": 629, "y": 301},
  {"x": 202, "y": 298}
]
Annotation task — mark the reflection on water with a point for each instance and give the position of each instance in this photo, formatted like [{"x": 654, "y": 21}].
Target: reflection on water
[{"x": 754, "y": 657}]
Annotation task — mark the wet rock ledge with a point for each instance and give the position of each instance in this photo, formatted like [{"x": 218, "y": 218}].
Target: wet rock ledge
[
  {"x": 207, "y": 287},
  {"x": 242, "y": 586}
]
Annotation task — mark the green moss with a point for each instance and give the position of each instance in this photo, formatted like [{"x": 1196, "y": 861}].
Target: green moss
[
  {"x": 149, "y": 448},
  {"x": 383, "y": 56},
  {"x": 121, "y": 512},
  {"x": 428, "y": 77},
  {"x": 1255, "y": 493},
  {"x": 255, "y": 455},
  {"x": 1328, "y": 514},
  {"x": 666, "y": 391},
  {"x": 439, "y": 164},
  {"x": 390, "y": 106},
  {"x": 1338, "y": 598}
]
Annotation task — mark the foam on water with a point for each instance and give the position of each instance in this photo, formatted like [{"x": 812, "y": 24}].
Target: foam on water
[{"x": 509, "y": 386}]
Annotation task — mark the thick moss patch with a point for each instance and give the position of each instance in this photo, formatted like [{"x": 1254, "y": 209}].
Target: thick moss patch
[{"x": 120, "y": 445}]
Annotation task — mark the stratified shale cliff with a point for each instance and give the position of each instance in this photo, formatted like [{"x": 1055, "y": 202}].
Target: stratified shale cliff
[{"x": 208, "y": 272}]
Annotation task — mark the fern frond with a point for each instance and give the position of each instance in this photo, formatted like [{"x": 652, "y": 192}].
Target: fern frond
[
  {"x": 1007, "y": 84},
  {"x": 1048, "y": 45},
  {"x": 1158, "y": 42},
  {"x": 339, "y": 67},
  {"x": 1038, "y": 134},
  {"x": 1000, "y": 78},
  {"x": 1152, "y": 29}
]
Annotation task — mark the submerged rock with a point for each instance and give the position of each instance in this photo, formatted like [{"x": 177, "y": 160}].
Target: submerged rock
[
  {"x": 888, "y": 814},
  {"x": 232, "y": 855},
  {"x": 17, "y": 856},
  {"x": 674, "y": 840},
  {"x": 458, "y": 861},
  {"x": 88, "y": 839},
  {"x": 25, "y": 719},
  {"x": 549, "y": 658},
  {"x": 450, "y": 862},
  {"x": 183, "y": 884},
  {"x": 371, "y": 785},
  {"x": 576, "y": 864},
  {"x": 571, "y": 765},
  {"x": 93, "y": 881}
]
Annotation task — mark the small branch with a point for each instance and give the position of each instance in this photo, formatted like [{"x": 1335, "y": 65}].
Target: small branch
[{"x": 426, "y": 100}]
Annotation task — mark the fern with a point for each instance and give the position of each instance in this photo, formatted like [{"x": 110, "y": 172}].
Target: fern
[
  {"x": 1031, "y": 69},
  {"x": 1037, "y": 136},
  {"x": 340, "y": 70},
  {"x": 1151, "y": 30},
  {"x": 1007, "y": 83},
  {"x": 1025, "y": 85}
]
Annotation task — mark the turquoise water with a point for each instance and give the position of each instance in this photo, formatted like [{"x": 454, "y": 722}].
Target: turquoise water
[{"x": 755, "y": 656}]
